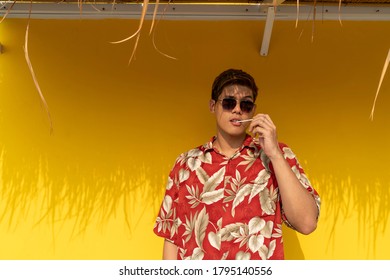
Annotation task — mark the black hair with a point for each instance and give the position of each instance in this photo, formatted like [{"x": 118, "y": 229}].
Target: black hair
[{"x": 233, "y": 77}]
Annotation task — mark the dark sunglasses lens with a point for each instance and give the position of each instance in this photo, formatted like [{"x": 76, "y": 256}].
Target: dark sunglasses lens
[
  {"x": 229, "y": 104},
  {"x": 247, "y": 106}
]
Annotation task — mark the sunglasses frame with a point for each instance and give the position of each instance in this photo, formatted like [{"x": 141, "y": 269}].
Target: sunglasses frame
[{"x": 228, "y": 104}]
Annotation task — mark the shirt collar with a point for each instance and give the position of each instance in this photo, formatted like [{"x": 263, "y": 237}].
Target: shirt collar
[
  {"x": 248, "y": 143},
  {"x": 207, "y": 147}
]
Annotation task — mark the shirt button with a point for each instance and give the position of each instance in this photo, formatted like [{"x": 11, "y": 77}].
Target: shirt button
[{"x": 227, "y": 205}]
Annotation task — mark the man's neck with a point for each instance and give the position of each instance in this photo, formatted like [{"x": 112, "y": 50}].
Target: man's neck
[{"x": 228, "y": 145}]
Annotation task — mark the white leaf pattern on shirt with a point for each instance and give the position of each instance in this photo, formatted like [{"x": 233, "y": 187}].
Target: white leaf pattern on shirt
[
  {"x": 255, "y": 242},
  {"x": 194, "y": 198},
  {"x": 214, "y": 180},
  {"x": 197, "y": 254},
  {"x": 241, "y": 194},
  {"x": 267, "y": 252},
  {"x": 213, "y": 196},
  {"x": 267, "y": 200},
  {"x": 243, "y": 256},
  {"x": 255, "y": 225},
  {"x": 215, "y": 239},
  {"x": 202, "y": 175},
  {"x": 200, "y": 227}
]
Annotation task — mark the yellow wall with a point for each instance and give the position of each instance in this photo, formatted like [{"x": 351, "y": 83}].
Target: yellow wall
[{"x": 91, "y": 189}]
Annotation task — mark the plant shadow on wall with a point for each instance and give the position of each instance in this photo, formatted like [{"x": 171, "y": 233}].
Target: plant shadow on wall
[
  {"x": 31, "y": 190},
  {"x": 348, "y": 199}
]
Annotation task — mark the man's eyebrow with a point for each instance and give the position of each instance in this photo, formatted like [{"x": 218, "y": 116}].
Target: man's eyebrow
[
  {"x": 233, "y": 97},
  {"x": 248, "y": 97}
]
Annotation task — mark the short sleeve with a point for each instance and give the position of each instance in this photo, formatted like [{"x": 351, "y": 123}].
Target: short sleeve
[
  {"x": 299, "y": 172},
  {"x": 168, "y": 221}
]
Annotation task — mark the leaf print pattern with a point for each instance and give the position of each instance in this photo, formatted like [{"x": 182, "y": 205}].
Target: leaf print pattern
[
  {"x": 288, "y": 153},
  {"x": 197, "y": 254},
  {"x": 242, "y": 236},
  {"x": 167, "y": 203},
  {"x": 182, "y": 253},
  {"x": 243, "y": 256},
  {"x": 202, "y": 175},
  {"x": 169, "y": 184},
  {"x": 205, "y": 158},
  {"x": 267, "y": 200},
  {"x": 194, "y": 153},
  {"x": 237, "y": 181},
  {"x": 213, "y": 196},
  {"x": 193, "y": 163},
  {"x": 266, "y": 231},
  {"x": 189, "y": 227},
  {"x": 265, "y": 160},
  {"x": 224, "y": 255},
  {"x": 193, "y": 159},
  {"x": 214, "y": 239},
  {"x": 255, "y": 225},
  {"x": 255, "y": 242},
  {"x": 167, "y": 219},
  {"x": 228, "y": 232},
  {"x": 278, "y": 232},
  {"x": 230, "y": 191},
  {"x": 183, "y": 175},
  {"x": 260, "y": 183},
  {"x": 241, "y": 194},
  {"x": 252, "y": 235},
  {"x": 200, "y": 227},
  {"x": 220, "y": 208},
  {"x": 214, "y": 180},
  {"x": 209, "y": 194},
  {"x": 267, "y": 252},
  {"x": 193, "y": 197},
  {"x": 249, "y": 160},
  {"x": 301, "y": 177}
]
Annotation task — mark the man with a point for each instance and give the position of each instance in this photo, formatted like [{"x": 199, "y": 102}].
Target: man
[{"x": 228, "y": 198}]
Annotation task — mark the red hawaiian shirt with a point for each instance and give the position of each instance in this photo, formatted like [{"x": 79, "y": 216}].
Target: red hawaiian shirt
[{"x": 217, "y": 207}]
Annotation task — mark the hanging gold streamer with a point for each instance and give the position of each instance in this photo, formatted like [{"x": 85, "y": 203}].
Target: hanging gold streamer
[
  {"x": 380, "y": 84},
  {"x": 138, "y": 32},
  {"x": 33, "y": 73}
]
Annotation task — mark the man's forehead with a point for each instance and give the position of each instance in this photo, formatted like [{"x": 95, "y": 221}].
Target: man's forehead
[{"x": 237, "y": 90}]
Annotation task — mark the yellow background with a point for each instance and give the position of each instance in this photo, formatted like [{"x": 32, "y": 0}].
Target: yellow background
[{"x": 92, "y": 188}]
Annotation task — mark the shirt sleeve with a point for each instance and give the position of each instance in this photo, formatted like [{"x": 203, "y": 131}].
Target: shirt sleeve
[
  {"x": 299, "y": 172},
  {"x": 167, "y": 221}
]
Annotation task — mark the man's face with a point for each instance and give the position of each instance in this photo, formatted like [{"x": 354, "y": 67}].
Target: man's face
[{"x": 234, "y": 103}]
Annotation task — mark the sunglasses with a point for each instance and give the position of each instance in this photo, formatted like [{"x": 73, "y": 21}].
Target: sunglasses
[{"x": 229, "y": 104}]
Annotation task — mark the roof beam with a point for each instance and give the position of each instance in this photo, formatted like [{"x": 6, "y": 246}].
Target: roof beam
[
  {"x": 65, "y": 10},
  {"x": 267, "y": 31},
  {"x": 268, "y": 25}
]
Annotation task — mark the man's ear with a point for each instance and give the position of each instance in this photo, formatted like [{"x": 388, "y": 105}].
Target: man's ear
[{"x": 212, "y": 105}]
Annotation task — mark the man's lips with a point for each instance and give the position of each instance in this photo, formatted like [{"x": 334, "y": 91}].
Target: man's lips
[
  {"x": 236, "y": 122},
  {"x": 240, "y": 120}
]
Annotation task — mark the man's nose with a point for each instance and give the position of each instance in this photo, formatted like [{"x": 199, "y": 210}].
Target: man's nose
[{"x": 237, "y": 108}]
